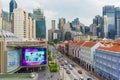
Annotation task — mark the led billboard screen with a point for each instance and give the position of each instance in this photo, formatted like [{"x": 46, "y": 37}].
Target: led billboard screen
[{"x": 34, "y": 56}]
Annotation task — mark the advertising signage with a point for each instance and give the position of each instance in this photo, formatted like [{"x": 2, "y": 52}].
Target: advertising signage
[
  {"x": 33, "y": 56},
  {"x": 13, "y": 60}
]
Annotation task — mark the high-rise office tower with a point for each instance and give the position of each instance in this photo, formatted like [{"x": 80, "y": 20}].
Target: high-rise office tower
[
  {"x": 109, "y": 11},
  {"x": 24, "y": 26},
  {"x": 61, "y": 23},
  {"x": 61, "y": 27},
  {"x": 5, "y": 24},
  {"x": 75, "y": 24},
  {"x": 12, "y": 6},
  {"x": 38, "y": 15},
  {"x": 53, "y": 24},
  {"x": 117, "y": 21},
  {"x": 98, "y": 21},
  {"x": 105, "y": 26}
]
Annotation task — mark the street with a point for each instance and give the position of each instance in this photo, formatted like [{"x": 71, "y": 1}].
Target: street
[{"x": 74, "y": 72}]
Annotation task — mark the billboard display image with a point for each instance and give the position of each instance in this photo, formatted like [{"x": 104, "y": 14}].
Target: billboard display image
[
  {"x": 34, "y": 56},
  {"x": 13, "y": 60}
]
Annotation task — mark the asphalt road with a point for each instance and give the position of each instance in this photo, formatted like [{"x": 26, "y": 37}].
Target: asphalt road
[{"x": 74, "y": 73}]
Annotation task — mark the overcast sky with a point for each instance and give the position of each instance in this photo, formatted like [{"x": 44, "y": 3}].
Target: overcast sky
[{"x": 85, "y": 10}]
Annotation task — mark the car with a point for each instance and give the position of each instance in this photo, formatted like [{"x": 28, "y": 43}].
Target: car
[
  {"x": 68, "y": 72},
  {"x": 89, "y": 78},
  {"x": 65, "y": 67},
  {"x": 75, "y": 79},
  {"x": 61, "y": 67},
  {"x": 70, "y": 67},
  {"x": 73, "y": 65},
  {"x": 81, "y": 78},
  {"x": 66, "y": 62},
  {"x": 79, "y": 71}
]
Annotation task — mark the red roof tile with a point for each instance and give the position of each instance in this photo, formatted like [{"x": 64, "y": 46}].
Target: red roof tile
[
  {"x": 114, "y": 48},
  {"x": 80, "y": 43},
  {"x": 89, "y": 44}
]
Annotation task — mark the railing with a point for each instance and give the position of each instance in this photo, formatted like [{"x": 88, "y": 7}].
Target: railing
[{"x": 26, "y": 43}]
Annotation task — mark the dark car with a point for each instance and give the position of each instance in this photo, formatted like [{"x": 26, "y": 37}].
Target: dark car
[
  {"x": 79, "y": 71},
  {"x": 73, "y": 65},
  {"x": 68, "y": 72},
  {"x": 75, "y": 79},
  {"x": 89, "y": 78}
]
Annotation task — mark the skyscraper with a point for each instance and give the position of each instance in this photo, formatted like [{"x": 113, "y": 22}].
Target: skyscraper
[
  {"x": 61, "y": 27},
  {"x": 61, "y": 23},
  {"x": 24, "y": 26},
  {"x": 98, "y": 21},
  {"x": 53, "y": 24},
  {"x": 109, "y": 11},
  {"x": 12, "y": 6},
  {"x": 117, "y": 21},
  {"x": 38, "y": 15}
]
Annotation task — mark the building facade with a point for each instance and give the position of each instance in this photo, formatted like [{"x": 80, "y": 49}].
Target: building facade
[
  {"x": 39, "y": 17},
  {"x": 24, "y": 26},
  {"x": 53, "y": 25},
  {"x": 5, "y": 24},
  {"x": 87, "y": 55},
  {"x": 107, "y": 63},
  {"x": 109, "y": 11},
  {"x": 117, "y": 21}
]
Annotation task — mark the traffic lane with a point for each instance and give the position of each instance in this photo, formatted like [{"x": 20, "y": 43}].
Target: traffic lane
[
  {"x": 85, "y": 73},
  {"x": 64, "y": 75},
  {"x": 78, "y": 68}
]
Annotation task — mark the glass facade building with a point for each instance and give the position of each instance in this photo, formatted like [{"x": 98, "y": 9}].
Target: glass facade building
[
  {"x": 117, "y": 21},
  {"x": 109, "y": 11},
  {"x": 40, "y": 23},
  {"x": 12, "y": 6},
  {"x": 98, "y": 21}
]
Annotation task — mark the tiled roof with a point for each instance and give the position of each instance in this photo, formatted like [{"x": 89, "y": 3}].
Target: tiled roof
[
  {"x": 114, "y": 48},
  {"x": 89, "y": 44},
  {"x": 80, "y": 43}
]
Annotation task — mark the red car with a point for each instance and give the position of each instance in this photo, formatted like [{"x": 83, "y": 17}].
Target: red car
[{"x": 79, "y": 71}]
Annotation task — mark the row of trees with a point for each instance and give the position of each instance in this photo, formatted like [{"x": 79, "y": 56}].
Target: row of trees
[{"x": 52, "y": 64}]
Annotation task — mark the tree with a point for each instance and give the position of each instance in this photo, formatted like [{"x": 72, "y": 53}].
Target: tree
[{"x": 56, "y": 41}]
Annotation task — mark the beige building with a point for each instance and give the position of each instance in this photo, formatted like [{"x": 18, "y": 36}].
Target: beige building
[
  {"x": 4, "y": 23},
  {"x": 77, "y": 38},
  {"x": 23, "y": 25}
]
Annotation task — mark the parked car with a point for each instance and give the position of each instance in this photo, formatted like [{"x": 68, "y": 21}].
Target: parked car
[
  {"x": 79, "y": 71},
  {"x": 89, "y": 78}
]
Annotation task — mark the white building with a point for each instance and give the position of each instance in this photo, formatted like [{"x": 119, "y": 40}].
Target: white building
[
  {"x": 54, "y": 35},
  {"x": 23, "y": 25},
  {"x": 87, "y": 54}
]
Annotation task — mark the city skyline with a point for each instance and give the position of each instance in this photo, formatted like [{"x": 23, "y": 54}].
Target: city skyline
[{"x": 57, "y": 9}]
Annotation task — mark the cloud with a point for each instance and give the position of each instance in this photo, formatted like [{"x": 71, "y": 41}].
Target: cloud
[{"x": 70, "y": 9}]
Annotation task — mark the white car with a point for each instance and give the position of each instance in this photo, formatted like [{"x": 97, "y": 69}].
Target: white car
[
  {"x": 81, "y": 78},
  {"x": 61, "y": 68}
]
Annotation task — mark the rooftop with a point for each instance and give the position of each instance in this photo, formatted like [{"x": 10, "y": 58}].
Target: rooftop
[
  {"x": 114, "y": 48},
  {"x": 89, "y": 44}
]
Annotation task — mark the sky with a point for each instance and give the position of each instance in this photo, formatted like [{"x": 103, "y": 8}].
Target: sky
[{"x": 85, "y": 10}]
